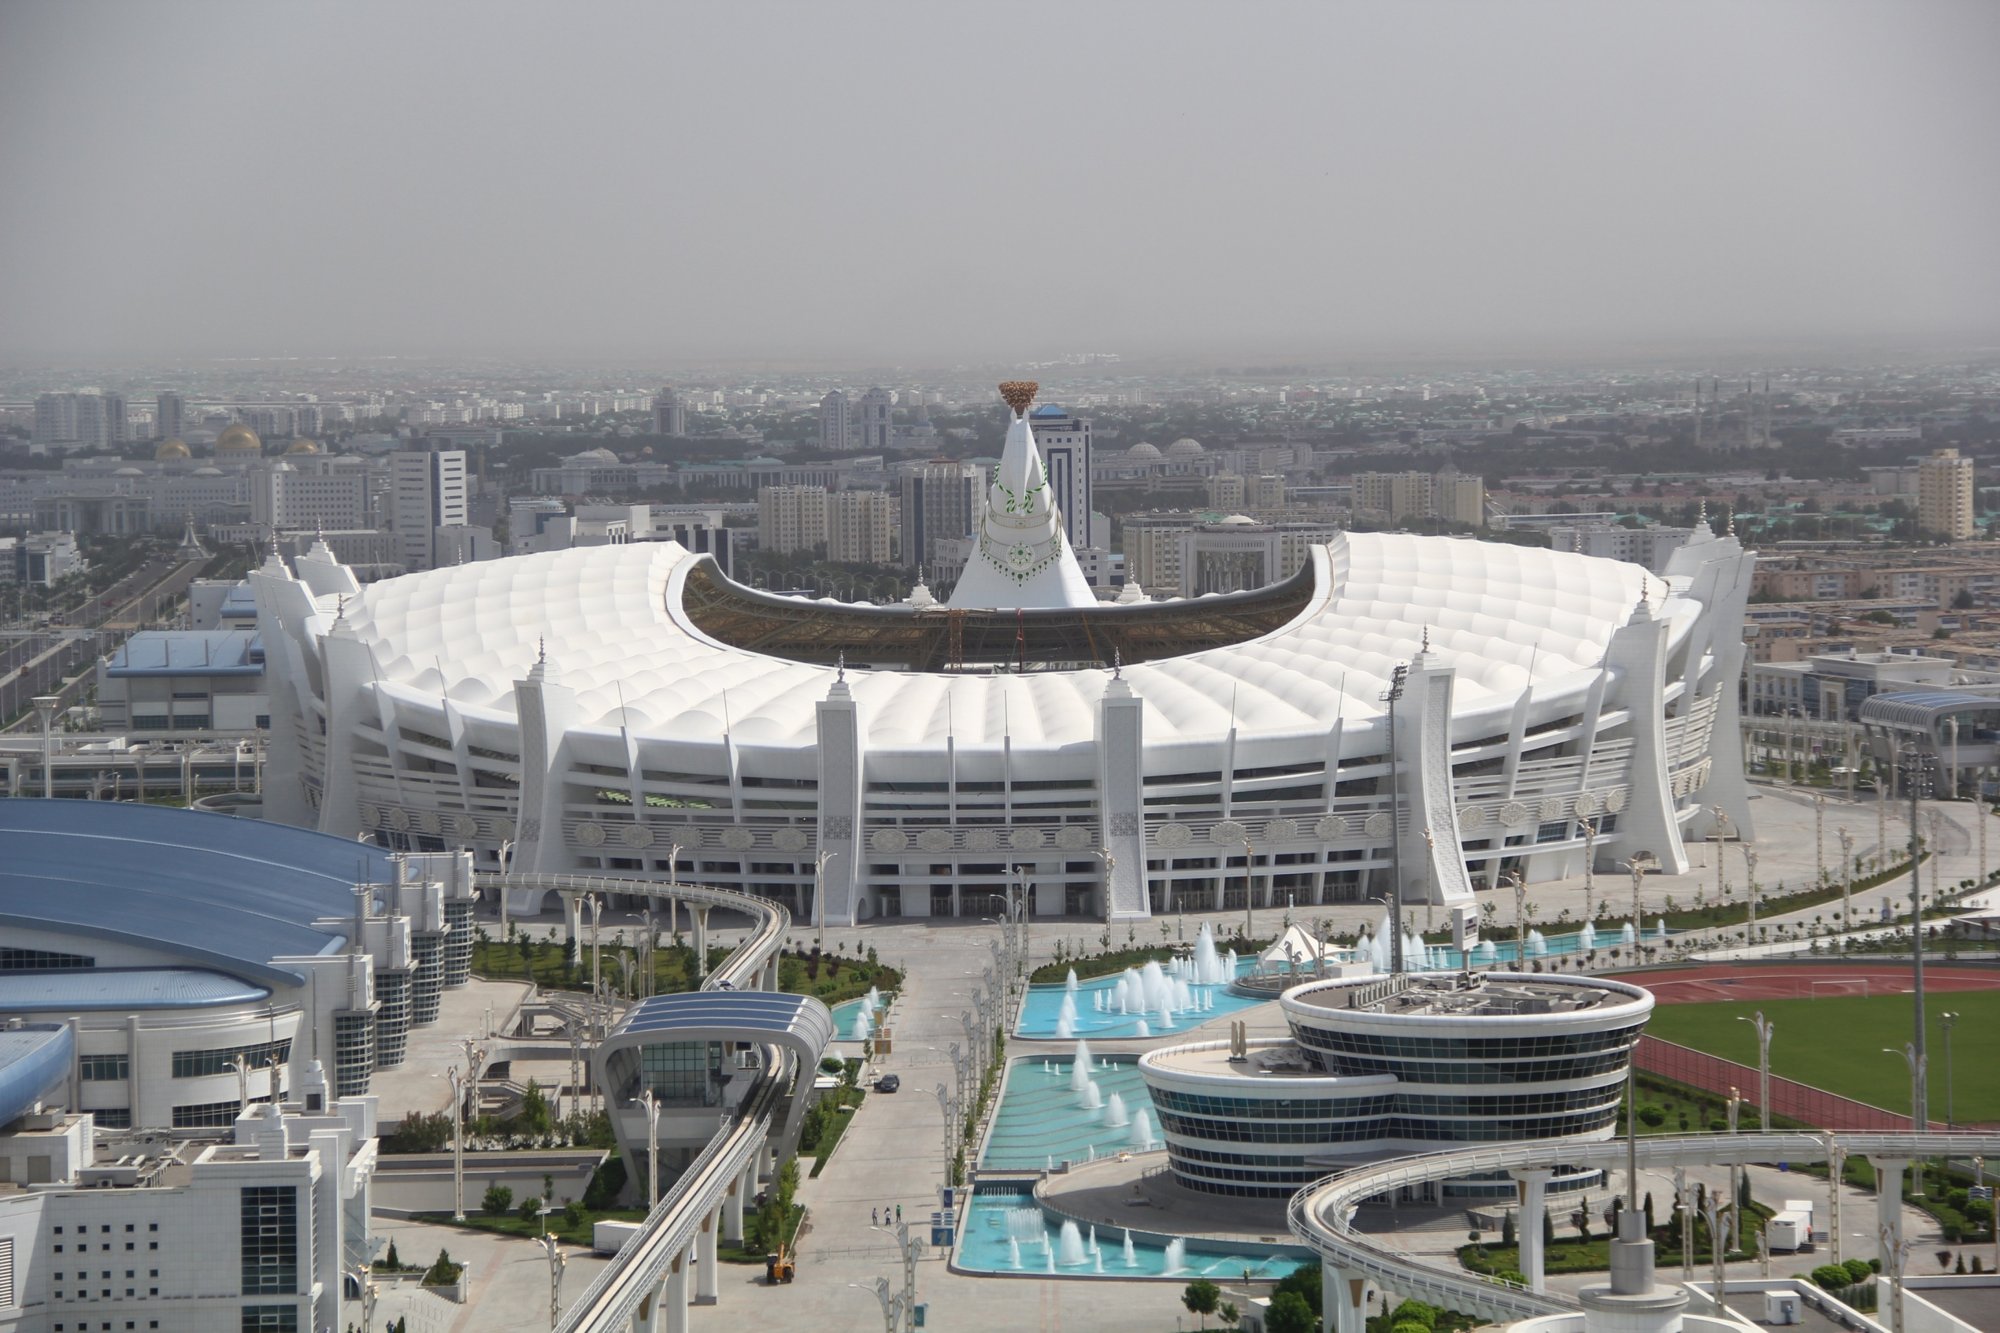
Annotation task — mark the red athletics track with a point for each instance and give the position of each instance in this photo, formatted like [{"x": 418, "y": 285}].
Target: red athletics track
[{"x": 1700, "y": 985}]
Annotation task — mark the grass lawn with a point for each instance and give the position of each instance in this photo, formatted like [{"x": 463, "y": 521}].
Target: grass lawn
[
  {"x": 1836, "y": 1043},
  {"x": 838, "y": 978},
  {"x": 513, "y": 1224}
]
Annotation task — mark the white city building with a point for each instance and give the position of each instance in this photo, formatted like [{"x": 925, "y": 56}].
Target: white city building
[{"x": 595, "y": 707}]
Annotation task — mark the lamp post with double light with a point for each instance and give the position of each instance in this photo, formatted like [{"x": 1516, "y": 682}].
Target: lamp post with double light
[{"x": 1764, "y": 1028}]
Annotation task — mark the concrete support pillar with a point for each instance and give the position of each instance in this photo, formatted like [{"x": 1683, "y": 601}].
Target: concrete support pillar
[
  {"x": 700, "y": 915},
  {"x": 1343, "y": 1300},
  {"x": 1889, "y": 1198},
  {"x": 841, "y": 743},
  {"x": 646, "y": 1319},
  {"x": 706, "y": 1289},
  {"x": 1532, "y": 1188},
  {"x": 766, "y": 1168},
  {"x": 1121, "y": 719},
  {"x": 732, "y": 1207},
  {"x": 673, "y": 1299},
  {"x": 572, "y": 905}
]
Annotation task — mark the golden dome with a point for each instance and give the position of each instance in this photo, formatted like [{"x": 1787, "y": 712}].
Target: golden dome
[
  {"x": 172, "y": 449},
  {"x": 303, "y": 446},
  {"x": 238, "y": 439}
]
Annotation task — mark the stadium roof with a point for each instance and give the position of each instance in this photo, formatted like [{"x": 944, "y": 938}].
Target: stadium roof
[
  {"x": 634, "y": 631},
  {"x": 217, "y": 652},
  {"x": 87, "y": 990},
  {"x": 34, "y": 1062},
  {"x": 221, "y": 892},
  {"x": 1917, "y": 710}
]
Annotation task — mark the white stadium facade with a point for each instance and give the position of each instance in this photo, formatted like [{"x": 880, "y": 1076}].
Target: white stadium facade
[{"x": 627, "y": 709}]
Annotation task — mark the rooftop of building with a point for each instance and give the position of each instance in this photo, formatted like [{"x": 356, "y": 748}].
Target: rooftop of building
[
  {"x": 190, "y": 652},
  {"x": 1464, "y": 995},
  {"x": 35, "y": 1062},
  {"x": 217, "y": 891},
  {"x": 87, "y": 990}
]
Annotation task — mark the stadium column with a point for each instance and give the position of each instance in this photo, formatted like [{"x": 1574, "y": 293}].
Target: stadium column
[
  {"x": 348, "y": 665},
  {"x": 1343, "y": 1298},
  {"x": 546, "y": 708},
  {"x": 674, "y": 1298},
  {"x": 840, "y": 803},
  {"x": 1433, "y": 868},
  {"x": 1121, "y": 798},
  {"x": 1718, "y": 572},
  {"x": 706, "y": 1289},
  {"x": 1889, "y": 1199},
  {"x": 1635, "y": 663}
]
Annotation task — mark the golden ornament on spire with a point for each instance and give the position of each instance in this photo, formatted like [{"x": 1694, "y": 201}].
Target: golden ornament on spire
[{"x": 1020, "y": 395}]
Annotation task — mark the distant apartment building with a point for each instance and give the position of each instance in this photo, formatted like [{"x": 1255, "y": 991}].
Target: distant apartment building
[
  {"x": 1064, "y": 441},
  {"x": 834, "y": 423},
  {"x": 1152, "y": 549},
  {"x": 80, "y": 420},
  {"x": 1944, "y": 495},
  {"x": 427, "y": 491},
  {"x": 860, "y": 527},
  {"x": 1402, "y": 497},
  {"x": 307, "y": 491},
  {"x": 1459, "y": 498},
  {"x": 874, "y": 421},
  {"x": 791, "y": 518},
  {"x": 1239, "y": 554},
  {"x": 169, "y": 411},
  {"x": 1648, "y": 546},
  {"x": 670, "y": 415},
  {"x": 1225, "y": 492},
  {"x": 940, "y": 501}
]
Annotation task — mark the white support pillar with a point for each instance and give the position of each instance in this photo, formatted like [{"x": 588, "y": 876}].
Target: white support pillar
[
  {"x": 646, "y": 1319},
  {"x": 732, "y": 1207},
  {"x": 1532, "y": 1188},
  {"x": 673, "y": 1299},
  {"x": 844, "y": 878},
  {"x": 1121, "y": 717},
  {"x": 1889, "y": 1197},
  {"x": 1343, "y": 1300},
  {"x": 572, "y": 905},
  {"x": 706, "y": 1289},
  {"x": 700, "y": 915}
]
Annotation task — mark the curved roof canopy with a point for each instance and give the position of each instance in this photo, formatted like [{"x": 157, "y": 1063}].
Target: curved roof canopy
[
  {"x": 226, "y": 893},
  {"x": 34, "y": 1063}
]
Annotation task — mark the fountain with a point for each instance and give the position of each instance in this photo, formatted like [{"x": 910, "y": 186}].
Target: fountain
[
  {"x": 1069, "y": 982},
  {"x": 1093, "y": 1100},
  {"x": 1166, "y": 1017},
  {"x": 1098, "y": 1260},
  {"x": 1484, "y": 952},
  {"x": 1079, "y": 1066},
  {"x": 1176, "y": 1259},
  {"x": 1660, "y": 928},
  {"x": 1093, "y": 1238},
  {"x": 1143, "y": 1031},
  {"x": 1131, "y": 1259},
  {"x": 1537, "y": 945},
  {"x": 1207, "y": 963},
  {"x": 864, "y": 1025},
  {"x": 1097, "y": 1000},
  {"x": 1586, "y": 939},
  {"x": 1114, "y": 1111},
  {"x": 1013, "y": 1253},
  {"x": 1072, "y": 1253},
  {"x": 1142, "y": 1129},
  {"x": 1065, "y": 1027},
  {"x": 1048, "y": 1261},
  {"x": 1627, "y": 936}
]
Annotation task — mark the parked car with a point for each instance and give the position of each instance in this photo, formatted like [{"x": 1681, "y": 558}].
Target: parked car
[{"x": 888, "y": 1083}]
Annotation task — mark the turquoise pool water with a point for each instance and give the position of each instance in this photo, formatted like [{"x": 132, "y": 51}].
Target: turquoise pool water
[
  {"x": 1043, "y": 1122},
  {"x": 1006, "y": 1231}
]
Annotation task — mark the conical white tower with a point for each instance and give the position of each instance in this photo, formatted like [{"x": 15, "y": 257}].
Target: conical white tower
[{"x": 1022, "y": 560}]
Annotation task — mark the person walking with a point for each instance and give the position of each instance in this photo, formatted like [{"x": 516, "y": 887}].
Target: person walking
[
  {"x": 873, "y": 1219},
  {"x": 899, "y": 1212}
]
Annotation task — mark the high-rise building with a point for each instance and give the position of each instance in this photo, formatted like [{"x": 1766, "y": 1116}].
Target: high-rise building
[
  {"x": 791, "y": 518},
  {"x": 860, "y": 527},
  {"x": 1944, "y": 495},
  {"x": 1398, "y": 495},
  {"x": 1065, "y": 444},
  {"x": 117, "y": 430},
  {"x": 1152, "y": 544},
  {"x": 876, "y": 419},
  {"x": 1264, "y": 492},
  {"x": 168, "y": 411},
  {"x": 670, "y": 416},
  {"x": 55, "y": 418},
  {"x": 309, "y": 491},
  {"x": 941, "y": 501},
  {"x": 1225, "y": 492},
  {"x": 1460, "y": 498},
  {"x": 427, "y": 491},
  {"x": 833, "y": 420}
]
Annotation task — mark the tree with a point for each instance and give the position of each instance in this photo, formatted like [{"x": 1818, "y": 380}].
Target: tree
[
  {"x": 535, "y": 1117},
  {"x": 1230, "y": 1316},
  {"x": 497, "y": 1200},
  {"x": 443, "y": 1272},
  {"x": 1507, "y": 1232},
  {"x": 392, "y": 1260},
  {"x": 1201, "y": 1298},
  {"x": 1304, "y": 1281},
  {"x": 1289, "y": 1313}
]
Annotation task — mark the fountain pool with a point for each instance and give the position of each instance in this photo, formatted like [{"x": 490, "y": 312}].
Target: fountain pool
[
  {"x": 1005, "y": 1231},
  {"x": 1044, "y": 1120}
]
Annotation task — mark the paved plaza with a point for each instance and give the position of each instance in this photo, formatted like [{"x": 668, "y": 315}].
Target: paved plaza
[{"x": 893, "y": 1153}]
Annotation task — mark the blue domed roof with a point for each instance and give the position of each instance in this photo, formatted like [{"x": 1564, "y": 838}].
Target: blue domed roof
[{"x": 1048, "y": 410}]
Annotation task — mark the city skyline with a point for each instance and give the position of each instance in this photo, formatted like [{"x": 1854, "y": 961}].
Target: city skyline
[{"x": 1314, "y": 183}]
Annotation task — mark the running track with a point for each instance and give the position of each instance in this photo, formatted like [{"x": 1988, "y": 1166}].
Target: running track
[{"x": 1699, "y": 985}]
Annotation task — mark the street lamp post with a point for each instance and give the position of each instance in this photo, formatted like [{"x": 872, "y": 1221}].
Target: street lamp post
[
  {"x": 652, "y": 1104},
  {"x": 1819, "y": 837},
  {"x": 819, "y": 895},
  {"x": 1750, "y": 888},
  {"x": 475, "y": 1057},
  {"x": 1735, "y": 1106},
  {"x": 1720, "y": 836},
  {"x": 364, "y": 1287},
  {"x": 1589, "y": 827},
  {"x": 1846, "y": 885},
  {"x": 1513, "y": 879},
  {"x": 506, "y": 856},
  {"x": 1915, "y": 773},
  {"x": 1919, "y": 1064},
  {"x": 557, "y": 1262},
  {"x": 1764, "y": 1028},
  {"x": 1637, "y": 868},
  {"x": 1945, "y": 1021},
  {"x": 910, "y": 1248},
  {"x": 1249, "y": 886},
  {"x": 1398, "y": 675}
]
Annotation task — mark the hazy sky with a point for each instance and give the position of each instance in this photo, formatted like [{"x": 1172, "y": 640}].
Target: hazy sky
[{"x": 936, "y": 182}]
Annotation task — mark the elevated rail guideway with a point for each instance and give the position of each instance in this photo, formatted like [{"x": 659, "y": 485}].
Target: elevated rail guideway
[
  {"x": 1322, "y": 1215},
  {"x": 647, "y": 1286}
]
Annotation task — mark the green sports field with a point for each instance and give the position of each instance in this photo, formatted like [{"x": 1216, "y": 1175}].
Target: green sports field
[{"x": 1836, "y": 1043}]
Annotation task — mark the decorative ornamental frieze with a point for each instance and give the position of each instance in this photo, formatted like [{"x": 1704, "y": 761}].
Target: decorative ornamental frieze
[
  {"x": 888, "y": 840},
  {"x": 1280, "y": 830},
  {"x": 935, "y": 839},
  {"x": 1026, "y": 840},
  {"x": 1378, "y": 825},
  {"x": 1513, "y": 812},
  {"x": 1329, "y": 827},
  {"x": 789, "y": 840},
  {"x": 737, "y": 838},
  {"x": 1471, "y": 818},
  {"x": 1227, "y": 832},
  {"x": 982, "y": 840},
  {"x": 1073, "y": 837},
  {"x": 1172, "y": 835},
  {"x": 590, "y": 835}
]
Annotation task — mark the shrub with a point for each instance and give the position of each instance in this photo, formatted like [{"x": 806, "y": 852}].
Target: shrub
[
  {"x": 607, "y": 1182},
  {"x": 531, "y": 1207},
  {"x": 1289, "y": 1313},
  {"x": 1832, "y": 1277},
  {"x": 442, "y": 1273},
  {"x": 1652, "y": 1116},
  {"x": 496, "y": 1201}
]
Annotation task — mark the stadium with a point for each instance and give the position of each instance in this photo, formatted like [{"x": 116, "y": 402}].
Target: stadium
[{"x": 1405, "y": 712}]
